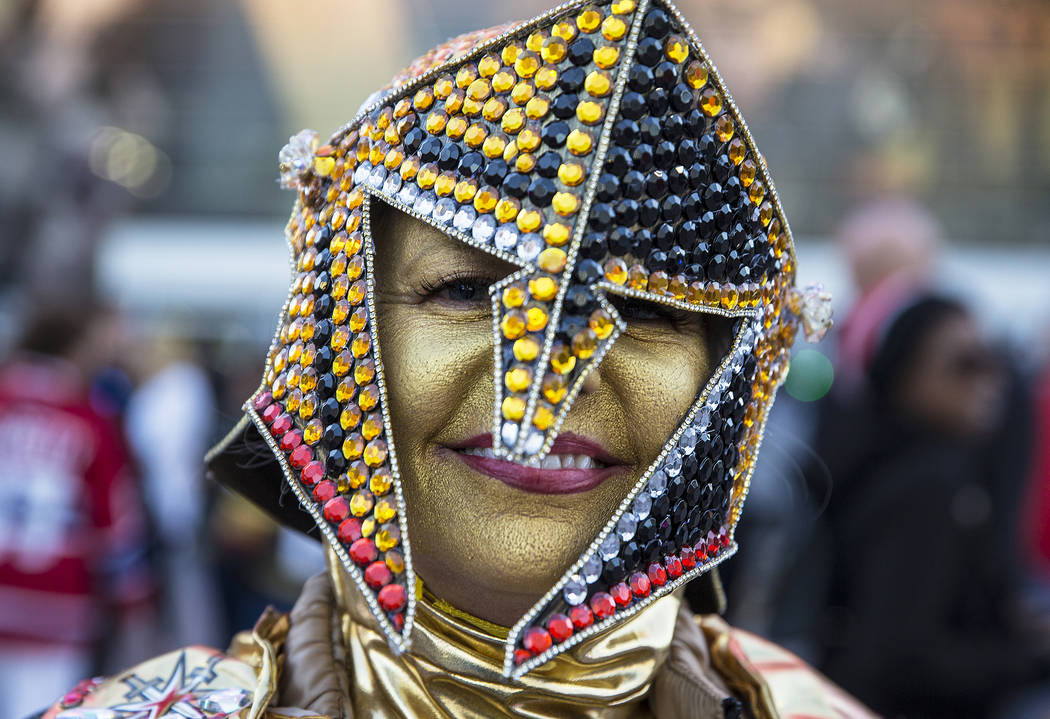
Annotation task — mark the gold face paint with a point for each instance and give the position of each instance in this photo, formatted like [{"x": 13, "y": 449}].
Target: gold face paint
[{"x": 486, "y": 547}]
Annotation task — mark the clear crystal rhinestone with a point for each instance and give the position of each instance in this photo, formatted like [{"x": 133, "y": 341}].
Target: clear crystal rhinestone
[
  {"x": 444, "y": 210},
  {"x": 657, "y": 484},
  {"x": 575, "y": 590},
  {"x": 409, "y": 193},
  {"x": 687, "y": 442},
  {"x": 533, "y": 442},
  {"x": 376, "y": 177},
  {"x": 673, "y": 463},
  {"x": 592, "y": 569},
  {"x": 626, "y": 526},
  {"x": 392, "y": 184},
  {"x": 464, "y": 218},
  {"x": 484, "y": 228},
  {"x": 361, "y": 173},
  {"x": 424, "y": 204},
  {"x": 506, "y": 237},
  {"x": 643, "y": 504},
  {"x": 703, "y": 418},
  {"x": 529, "y": 247},
  {"x": 509, "y": 434},
  {"x": 610, "y": 546},
  {"x": 226, "y": 701},
  {"x": 715, "y": 397}
]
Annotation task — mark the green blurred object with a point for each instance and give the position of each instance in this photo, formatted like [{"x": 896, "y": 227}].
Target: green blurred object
[{"x": 810, "y": 376}]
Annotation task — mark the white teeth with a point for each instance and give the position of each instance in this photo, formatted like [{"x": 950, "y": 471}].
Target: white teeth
[
  {"x": 551, "y": 461},
  {"x": 486, "y": 452}
]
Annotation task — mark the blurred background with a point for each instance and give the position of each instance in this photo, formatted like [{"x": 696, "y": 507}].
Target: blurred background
[{"x": 898, "y": 530}]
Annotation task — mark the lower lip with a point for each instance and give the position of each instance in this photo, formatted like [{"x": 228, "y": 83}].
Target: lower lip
[{"x": 538, "y": 480}]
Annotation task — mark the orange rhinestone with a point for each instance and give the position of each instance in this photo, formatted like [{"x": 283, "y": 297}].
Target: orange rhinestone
[
  {"x": 562, "y": 359},
  {"x": 616, "y": 271}
]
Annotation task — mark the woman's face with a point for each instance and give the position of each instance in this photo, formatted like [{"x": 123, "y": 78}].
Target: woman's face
[{"x": 489, "y": 536}]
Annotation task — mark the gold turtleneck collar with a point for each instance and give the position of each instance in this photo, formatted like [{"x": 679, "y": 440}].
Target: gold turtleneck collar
[{"x": 454, "y": 668}]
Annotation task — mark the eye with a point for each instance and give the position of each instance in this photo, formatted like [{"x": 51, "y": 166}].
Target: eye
[
  {"x": 650, "y": 313},
  {"x": 469, "y": 288}
]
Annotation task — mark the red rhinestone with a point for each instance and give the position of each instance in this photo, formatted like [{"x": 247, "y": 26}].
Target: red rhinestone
[
  {"x": 72, "y": 699},
  {"x": 688, "y": 557},
  {"x": 674, "y": 566},
  {"x": 640, "y": 584},
  {"x": 392, "y": 597},
  {"x": 291, "y": 440},
  {"x": 712, "y": 543},
  {"x": 301, "y": 456},
  {"x": 336, "y": 509},
  {"x": 324, "y": 491},
  {"x": 536, "y": 639},
  {"x": 521, "y": 656},
  {"x": 363, "y": 551},
  {"x": 603, "y": 605},
  {"x": 349, "y": 531},
  {"x": 271, "y": 413},
  {"x": 312, "y": 473},
  {"x": 398, "y": 620},
  {"x": 621, "y": 593},
  {"x": 378, "y": 575},
  {"x": 281, "y": 425},
  {"x": 262, "y": 401},
  {"x": 581, "y": 616},
  {"x": 657, "y": 574},
  {"x": 701, "y": 551},
  {"x": 560, "y": 627},
  {"x": 723, "y": 536}
]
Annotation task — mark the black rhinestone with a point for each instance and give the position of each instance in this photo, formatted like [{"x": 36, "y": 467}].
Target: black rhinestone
[
  {"x": 581, "y": 50},
  {"x": 686, "y": 151},
  {"x": 695, "y": 514},
  {"x": 649, "y": 51},
  {"x": 708, "y": 228},
  {"x": 625, "y": 133},
  {"x": 448, "y": 158},
  {"x": 323, "y": 359},
  {"x": 632, "y": 185},
  {"x": 707, "y": 522},
  {"x": 722, "y": 168},
  {"x": 471, "y": 163},
  {"x": 555, "y": 133},
  {"x": 639, "y": 78},
  {"x": 336, "y": 461},
  {"x": 656, "y": 261},
  {"x": 578, "y": 298},
  {"x": 564, "y": 106},
  {"x": 678, "y": 180},
  {"x": 713, "y": 196},
  {"x": 632, "y": 105},
  {"x": 689, "y": 465},
  {"x": 698, "y": 175},
  {"x": 676, "y": 259},
  {"x": 329, "y": 410},
  {"x": 602, "y": 216},
  {"x": 658, "y": 101},
  {"x": 665, "y": 74},
  {"x": 650, "y": 129},
  {"x": 643, "y": 241},
  {"x": 588, "y": 271},
  {"x": 720, "y": 244},
  {"x": 687, "y": 235},
  {"x": 333, "y": 435},
  {"x": 649, "y": 213},
  {"x": 720, "y": 496},
  {"x": 681, "y": 98},
  {"x": 697, "y": 536},
  {"x": 672, "y": 208},
  {"x": 665, "y": 154},
  {"x": 646, "y": 531},
  {"x": 673, "y": 128},
  {"x": 665, "y": 528},
  {"x": 516, "y": 184},
  {"x": 695, "y": 270},
  {"x": 706, "y": 492},
  {"x": 732, "y": 190},
  {"x": 631, "y": 554},
  {"x": 656, "y": 23},
  {"x": 323, "y": 332},
  {"x": 676, "y": 487},
  {"x": 695, "y": 123},
  {"x": 642, "y": 157},
  {"x": 323, "y": 306},
  {"x": 593, "y": 246},
  {"x": 710, "y": 146},
  {"x": 627, "y": 212},
  {"x": 681, "y": 532},
  {"x": 653, "y": 550},
  {"x": 716, "y": 268},
  {"x": 324, "y": 237},
  {"x": 621, "y": 241},
  {"x": 323, "y": 260},
  {"x": 680, "y": 512},
  {"x": 656, "y": 184},
  {"x": 572, "y": 80},
  {"x": 541, "y": 191},
  {"x": 326, "y": 384},
  {"x": 430, "y": 149},
  {"x": 608, "y": 188},
  {"x": 613, "y": 572},
  {"x": 618, "y": 161},
  {"x": 412, "y": 139},
  {"x": 495, "y": 171},
  {"x": 693, "y": 207},
  {"x": 321, "y": 282},
  {"x": 548, "y": 163},
  {"x": 661, "y": 505},
  {"x": 663, "y": 238},
  {"x": 724, "y": 216}
]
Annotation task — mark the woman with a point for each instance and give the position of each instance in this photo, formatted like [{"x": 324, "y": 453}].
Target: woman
[{"x": 542, "y": 298}]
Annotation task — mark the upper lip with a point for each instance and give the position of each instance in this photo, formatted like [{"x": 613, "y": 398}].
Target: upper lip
[{"x": 564, "y": 443}]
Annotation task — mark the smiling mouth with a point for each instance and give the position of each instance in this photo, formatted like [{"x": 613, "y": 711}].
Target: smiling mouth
[{"x": 575, "y": 464}]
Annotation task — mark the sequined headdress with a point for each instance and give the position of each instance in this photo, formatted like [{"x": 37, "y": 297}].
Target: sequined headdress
[{"x": 597, "y": 149}]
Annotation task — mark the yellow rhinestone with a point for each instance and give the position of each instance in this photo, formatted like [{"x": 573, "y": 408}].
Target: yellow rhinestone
[
  {"x": 606, "y": 56},
  {"x": 511, "y": 151},
  {"x": 474, "y": 136},
  {"x": 579, "y": 142},
  {"x": 556, "y": 233},
  {"x": 518, "y": 378},
  {"x": 446, "y": 183},
  {"x": 710, "y": 102},
  {"x": 676, "y": 48},
  {"x": 571, "y": 173},
  {"x": 380, "y": 483},
  {"x": 527, "y": 64},
  {"x": 514, "y": 296},
  {"x": 423, "y": 99},
  {"x": 395, "y": 562},
  {"x": 466, "y": 75},
  {"x": 394, "y": 158},
  {"x": 757, "y": 192},
  {"x": 427, "y": 176},
  {"x": 488, "y": 65},
  {"x": 553, "y": 387},
  {"x": 535, "y": 318},
  {"x": 353, "y": 446},
  {"x": 525, "y": 163},
  {"x": 456, "y": 127},
  {"x": 677, "y": 287},
  {"x": 543, "y": 416},
  {"x": 507, "y": 209},
  {"x": 522, "y": 93},
  {"x": 543, "y": 288},
  {"x": 589, "y": 20},
  {"x": 584, "y": 343},
  {"x": 730, "y": 297},
  {"x": 546, "y": 77},
  {"x": 364, "y": 371},
  {"x": 308, "y": 406},
  {"x": 479, "y": 90},
  {"x": 513, "y": 324},
  {"x": 341, "y": 364},
  {"x": 513, "y": 120},
  {"x": 589, "y": 112},
  {"x": 613, "y": 28},
  {"x": 409, "y": 168},
  {"x": 765, "y": 214},
  {"x": 375, "y": 453},
  {"x": 493, "y": 110},
  {"x": 493, "y": 146},
  {"x": 503, "y": 81},
  {"x": 562, "y": 359},
  {"x": 388, "y": 538},
  {"x": 368, "y": 527},
  {"x": 551, "y": 260},
  {"x": 361, "y": 503},
  {"x": 535, "y": 40},
  {"x": 598, "y": 83},
  {"x": 323, "y": 165},
  {"x": 616, "y": 271},
  {"x": 724, "y": 128},
  {"x": 465, "y": 190},
  {"x": 312, "y": 432},
  {"x": 622, "y": 7},
  {"x": 554, "y": 50},
  {"x": 601, "y": 323},
  {"x": 537, "y": 107},
  {"x": 436, "y": 122},
  {"x": 658, "y": 282},
  {"x": 565, "y": 203},
  {"x": 486, "y": 199},
  {"x": 454, "y": 102},
  {"x": 526, "y": 349},
  {"x": 637, "y": 278},
  {"x": 696, "y": 74},
  {"x": 565, "y": 30},
  {"x": 748, "y": 170},
  {"x": 513, "y": 408},
  {"x": 360, "y": 346},
  {"x": 529, "y": 220},
  {"x": 528, "y": 139},
  {"x": 737, "y": 150},
  {"x": 510, "y": 54}
]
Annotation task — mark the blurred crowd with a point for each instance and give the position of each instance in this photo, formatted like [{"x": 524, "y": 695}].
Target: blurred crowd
[{"x": 897, "y": 534}]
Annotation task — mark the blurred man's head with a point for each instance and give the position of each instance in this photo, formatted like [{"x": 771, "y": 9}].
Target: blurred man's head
[{"x": 85, "y": 333}]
